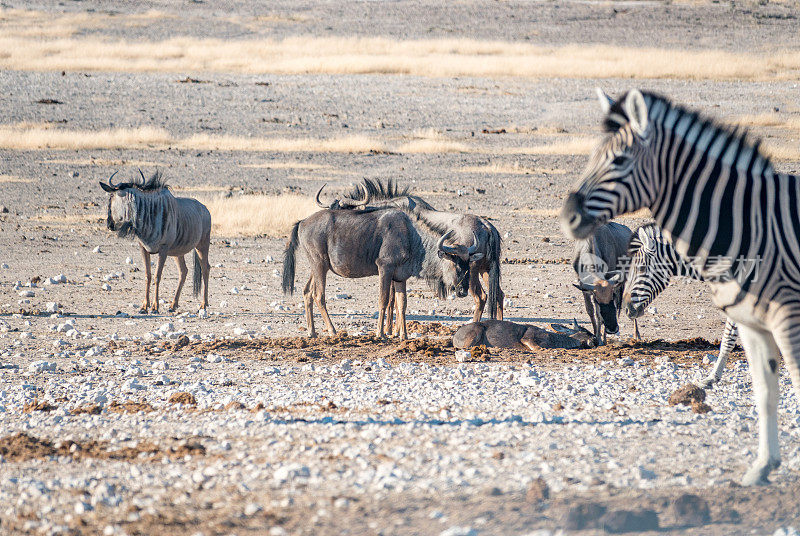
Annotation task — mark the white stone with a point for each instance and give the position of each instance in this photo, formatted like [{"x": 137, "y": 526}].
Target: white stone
[{"x": 97, "y": 250}]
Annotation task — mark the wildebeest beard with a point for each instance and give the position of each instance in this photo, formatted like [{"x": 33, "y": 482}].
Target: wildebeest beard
[{"x": 126, "y": 230}]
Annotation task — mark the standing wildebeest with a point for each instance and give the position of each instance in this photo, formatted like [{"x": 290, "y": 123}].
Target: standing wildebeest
[
  {"x": 164, "y": 224},
  {"x": 393, "y": 244},
  {"x": 595, "y": 260},
  {"x": 484, "y": 261}
]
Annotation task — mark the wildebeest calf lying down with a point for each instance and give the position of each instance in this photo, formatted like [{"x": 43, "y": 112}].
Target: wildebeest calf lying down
[
  {"x": 504, "y": 334},
  {"x": 392, "y": 243}
]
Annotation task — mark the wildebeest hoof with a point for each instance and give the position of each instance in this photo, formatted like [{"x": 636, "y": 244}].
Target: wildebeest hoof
[
  {"x": 708, "y": 383},
  {"x": 173, "y": 309},
  {"x": 143, "y": 310}
]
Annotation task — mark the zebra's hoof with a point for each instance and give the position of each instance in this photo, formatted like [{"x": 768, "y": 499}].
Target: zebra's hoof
[{"x": 757, "y": 474}]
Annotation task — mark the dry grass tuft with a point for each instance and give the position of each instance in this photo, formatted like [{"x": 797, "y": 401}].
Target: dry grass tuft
[
  {"x": 10, "y": 179},
  {"x": 108, "y": 162},
  {"x": 345, "y": 144},
  {"x": 572, "y": 146},
  {"x": 256, "y": 215}
]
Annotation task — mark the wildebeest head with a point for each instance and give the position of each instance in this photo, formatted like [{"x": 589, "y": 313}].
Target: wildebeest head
[
  {"x": 120, "y": 218},
  {"x": 601, "y": 290},
  {"x": 455, "y": 274}
]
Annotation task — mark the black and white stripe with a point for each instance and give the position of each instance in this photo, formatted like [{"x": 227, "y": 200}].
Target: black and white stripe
[
  {"x": 721, "y": 203},
  {"x": 652, "y": 264}
]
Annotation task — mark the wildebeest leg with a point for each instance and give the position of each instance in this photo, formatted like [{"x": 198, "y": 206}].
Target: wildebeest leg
[
  {"x": 400, "y": 295},
  {"x": 319, "y": 296},
  {"x": 390, "y": 312},
  {"x": 588, "y": 302},
  {"x": 162, "y": 258},
  {"x": 478, "y": 294},
  {"x": 180, "y": 260},
  {"x": 501, "y": 297},
  {"x": 202, "y": 252},
  {"x": 385, "y": 281},
  {"x": 308, "y": 300},
  {"x": 528, "y": 340},
  {"x": 147, "y": 277},
  {"x": 636, "y": 330}
]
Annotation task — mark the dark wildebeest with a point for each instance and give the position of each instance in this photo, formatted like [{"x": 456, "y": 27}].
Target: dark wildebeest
[
  {"x": 504, "y": 334},
  {"x": 596, "y": 260},
  {"x": 393, "y": 244},
  {"x": 484, "y": 261},
  {"x": 165, "y": 225}
]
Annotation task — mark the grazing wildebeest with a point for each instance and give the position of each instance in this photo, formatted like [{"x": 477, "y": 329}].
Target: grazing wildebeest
[
  {"x": 484, "y": 260},
  {"x": 393, "y": 244},
  {"x": 165, "y": 225},
  {"x": 653, "y": 262},
  {"x": 595, "y": 260},
  {"x": 504, "y": 334},
  {"x": 727, "y": 210}
]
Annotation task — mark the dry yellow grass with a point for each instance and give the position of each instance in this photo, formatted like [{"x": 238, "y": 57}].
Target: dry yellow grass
[
  {"x": 108, "y": 162},
  {"x": 783, "y": 152},
  {"x": 345, "y": 144},
  {"x": 255, "y": 215},
  {"x": 7, "y": 179},
  {"x": 14, "y": 137},
  {"x": 286, "y": 165},
  {"x": 572, "y": 146},
  {"x": 510, "y": 169},
  {"x": 350, "y": 55}
]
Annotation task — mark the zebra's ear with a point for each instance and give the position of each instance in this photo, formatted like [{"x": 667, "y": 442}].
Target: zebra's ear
[
  {"x": 645, "y": 238},
  {"x": 636, "y": 110},
  {"x": 606, "y": 102}
]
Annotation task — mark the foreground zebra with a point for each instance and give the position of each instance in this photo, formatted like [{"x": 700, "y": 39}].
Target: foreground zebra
[
  {"x": 652, "y": 263},
  {"x": 165, "y": 225},
  {"x": 726, "y": 210}
]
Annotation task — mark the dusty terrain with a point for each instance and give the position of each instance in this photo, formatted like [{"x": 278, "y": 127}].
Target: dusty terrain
[{"x": 116, "y": 422}]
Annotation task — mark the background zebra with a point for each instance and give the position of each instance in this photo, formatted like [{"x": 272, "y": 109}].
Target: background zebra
[
  {"x": 165, "y": 225},
  {"x": 652, "y": 263},
  {"x": 726, "y": 210}
]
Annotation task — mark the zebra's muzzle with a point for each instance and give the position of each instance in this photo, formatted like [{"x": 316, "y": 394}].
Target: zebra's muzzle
[{"x": 574, "y": 221}]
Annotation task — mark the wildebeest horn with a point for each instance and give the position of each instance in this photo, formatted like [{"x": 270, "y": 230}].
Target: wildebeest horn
[
  {"x": 474, "y": 247},
  {"x": 319, "y": 203},
  {"x": 142, "y": 175},
  {"x": 114, "y": 186},
  {"x": 446, "y": 249},
  {"x": 347, "y": 203}
]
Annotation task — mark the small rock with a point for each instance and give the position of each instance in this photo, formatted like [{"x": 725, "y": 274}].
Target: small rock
[
  {"x": 690, "y": 511},
  {"x": 686, "y": 395},
  {"x": 3, "y": 209},
  {"x": 459, "y": 531},
  {"x": 182, "y": 397},
  {"x": 620, "y": 521},
  {"x": 97, "y": 250},
  {"x": 252, "y": 509},
  {"x": 700, "y": 407},
  {"x": 538, "y": 491}
]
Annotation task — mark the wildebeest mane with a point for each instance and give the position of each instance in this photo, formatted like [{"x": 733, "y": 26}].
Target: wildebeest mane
[
  {"x": 379, "y": 190},
  {"x": 154, "y": 183}
]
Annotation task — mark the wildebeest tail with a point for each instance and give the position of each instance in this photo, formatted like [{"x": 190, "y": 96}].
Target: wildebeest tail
[
  {"x": 288, "y": 261},
  {"x": 494, "y": 269},
  {"x": 197, "y": 277}
]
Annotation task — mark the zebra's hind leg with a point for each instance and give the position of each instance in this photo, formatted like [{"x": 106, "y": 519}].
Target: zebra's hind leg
[
  {"x": 762, "y": 356},
  {"x": 180, "y": 260},
  {"x": 725, "y": 347}
]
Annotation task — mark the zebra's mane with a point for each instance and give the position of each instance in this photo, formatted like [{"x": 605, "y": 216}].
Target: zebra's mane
[
  {"x": 154, "y": 183},
  {"x": 635, "y": 243},
  {"x": 379, "y": 190},
  {"x": 616, "y": 115}
]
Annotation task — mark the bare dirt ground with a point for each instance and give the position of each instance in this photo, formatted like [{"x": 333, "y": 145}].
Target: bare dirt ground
[{"x": 116, "y": 422}]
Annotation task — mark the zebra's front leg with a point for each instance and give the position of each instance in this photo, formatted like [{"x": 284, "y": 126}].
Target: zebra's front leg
[
  {"x": 636, "y": 330},
  {"x": 162, "y": 258},
  {"x": 147, "y": 277},
  {"x": 762, "y": 356},
  {"x": 725, "y": 347},
  {"x": 181, "y": 262}
]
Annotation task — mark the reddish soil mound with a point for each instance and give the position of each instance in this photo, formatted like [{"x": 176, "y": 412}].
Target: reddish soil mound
[
  {"x": 129, "y": 407},
  {"x": 183, "y": 397}
]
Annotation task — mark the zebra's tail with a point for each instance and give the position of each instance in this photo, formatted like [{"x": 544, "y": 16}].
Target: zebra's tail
[
  {"x": 493, "y": 252},
  {"x": 197, "y": 277},
  {"x": 288, "y": 261}
]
